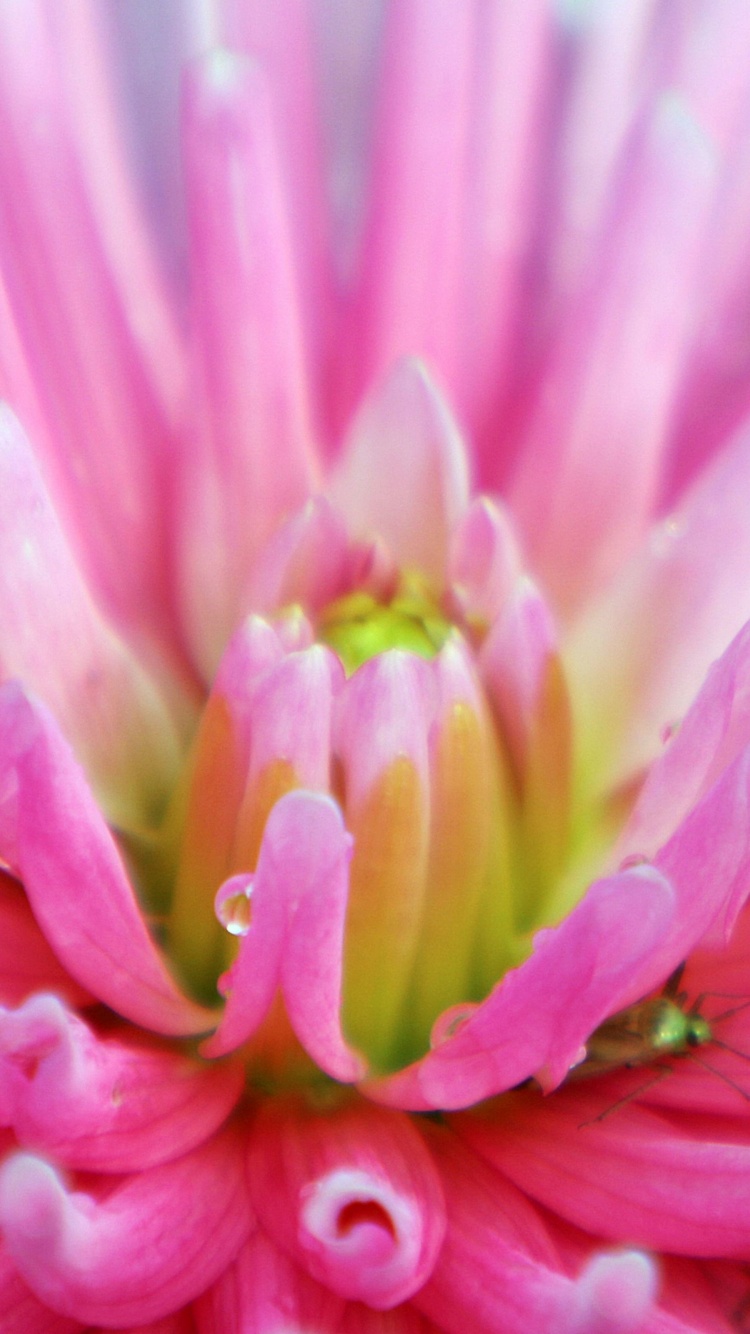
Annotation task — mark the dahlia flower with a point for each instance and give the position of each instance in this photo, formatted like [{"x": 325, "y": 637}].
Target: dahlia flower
[{"x": 375, "y": 704}]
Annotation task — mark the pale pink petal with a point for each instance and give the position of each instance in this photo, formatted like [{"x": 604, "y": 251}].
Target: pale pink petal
[
  {"x": 513, "y": 661},
  {"x": 263, "y": 1292},
  {"x": 52, "y": 636},
  {"x": 683, "y": 1188},
  {"x": 27, "y": 963},
  {"x": 675, "y": 608},
  {"x": 410, "y": 498},
  {"x": 291, "y": 707},
  {"x": 587, "y": 484},
  {"x": 714, "y": 731},
  {"x": 151, "y": 1245},
  {"x": 606, "y": 84},
  {"x": 526, "y": 1027},
  {"x": 499, "y": 1269},
  {"x": 397, "y": 690},
  {"x": 252, "y": 463},
  {"x": 62, "y": 850},
  {"x": 513, "y": 69},
  {"x": 88, "y": 305},
  {"x": 414, "y": 239},
  {"x": 297, "y": 912},
  {"x": 351, "y": 1194},
  {"x": 113, "y": 1104},
  {"x": 484, "y": 560},
  {"x": 305, "y": 561}
]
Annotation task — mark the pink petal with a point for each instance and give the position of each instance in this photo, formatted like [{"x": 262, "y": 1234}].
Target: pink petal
[
  {"x": 298, "y": 909},
  {"x": 304, "y": 561},
  {"x": 111, "y": 1105},
  {"x": 591, "y": 456},
  {"x": 351, "y": 1194},
  {"x": 514, "y": 659},
  {"x": 27, "y": 963},
  {"x": 513, "y": 54},
  {"x": 411, "y": 498},
  {"x": 634, "y": 1173},
  {"x": 255, "y": 465},
  {"x": 484, "y": 560},
  {"x": 281, "y": 39},
  {"x": 397, "y": 689},
  {"x": 499, "y": 1270},
  {"x": 525, "y": 1027},
  {"x": 414, "y": 239},
  {"x": 60, "y": 847},
  {"x": 87, "y": 295},
  {"x": 54, "y": 638},
  {"x": 21, "y": 1312},
  {"x": 675, "y": 608},
  {"x": 151, "y": 1245},
  {"x": 712, "y": 734},
  {"x": 263, "y": 1290},
  {"x": 291, "y": 707}
]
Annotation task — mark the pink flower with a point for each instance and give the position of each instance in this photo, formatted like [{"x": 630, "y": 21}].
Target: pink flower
[{"x": 374, "y": 735}]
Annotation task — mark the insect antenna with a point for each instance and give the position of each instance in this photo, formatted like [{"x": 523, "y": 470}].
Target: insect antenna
[{"x": 726, "y": 1014}]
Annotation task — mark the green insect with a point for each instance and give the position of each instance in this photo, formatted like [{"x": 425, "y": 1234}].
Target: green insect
[{"x": 647, "y": 1033}]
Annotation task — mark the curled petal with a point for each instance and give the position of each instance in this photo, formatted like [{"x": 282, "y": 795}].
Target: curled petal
[
  {"x": 297, "y": 911},
  {"x": 528, "y": 1027},
  {"x": 21, "y": 1312},
  {"x": 500, "y": 1270},
  {"x": 111, "y": 1105},
  {"x": 262, "y": 1289},
  {"x": 150, "y": 1246},
  {"x": 351, "y": 1194},
  {"x": 57, "y": 840}
]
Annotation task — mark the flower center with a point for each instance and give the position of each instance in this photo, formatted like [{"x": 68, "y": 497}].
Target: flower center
[{"x": 358, "y": 626}]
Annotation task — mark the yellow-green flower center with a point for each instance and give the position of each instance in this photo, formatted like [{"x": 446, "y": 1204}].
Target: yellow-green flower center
[{"x": 358, "y": 626}]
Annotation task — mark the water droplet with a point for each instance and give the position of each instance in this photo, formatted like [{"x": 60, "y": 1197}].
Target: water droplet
[
  {"x": 232, "y": 904},
  {"x": 449, "y": 1023}
]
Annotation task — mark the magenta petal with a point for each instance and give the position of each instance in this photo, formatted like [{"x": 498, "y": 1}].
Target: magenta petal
[
  {"x": 262, "y": 1290},
  {"x": 411, "y": 498},
  {"x": 352, "y": 1194},
  {"x": 21, "y": 1312},
  {"x": 499, "y": 1269},
  {"x": 682, "y": 1188},
  {"x": 62, "y": 850},
  {"x": 150, "y": 1246},
  {"x": 27, "y": 963},
  {"x": 528, "y": 1027},
  {"x": 112, "y": 1104}
]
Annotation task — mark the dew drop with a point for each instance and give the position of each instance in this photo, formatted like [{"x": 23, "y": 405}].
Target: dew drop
[{"x": 232, "y": 904}]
